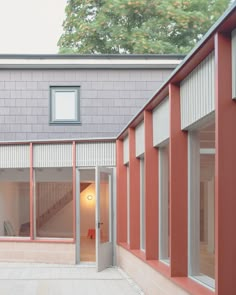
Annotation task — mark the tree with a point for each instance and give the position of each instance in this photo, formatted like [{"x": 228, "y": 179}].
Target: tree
[{"x": 137, "y": 26}]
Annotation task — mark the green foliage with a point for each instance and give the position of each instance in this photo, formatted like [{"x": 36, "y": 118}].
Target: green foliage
[{"x": 137, "y": 26}]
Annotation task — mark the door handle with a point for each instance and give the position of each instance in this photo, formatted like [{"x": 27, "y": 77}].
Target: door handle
[{"x": 99, "y": 224}]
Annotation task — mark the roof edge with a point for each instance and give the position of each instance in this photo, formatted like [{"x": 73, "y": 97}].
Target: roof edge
[
  {"x": 92, "y": 56},
  {"x": 230, "y": 10}
]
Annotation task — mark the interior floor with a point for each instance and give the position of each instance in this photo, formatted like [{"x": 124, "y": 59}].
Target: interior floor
[
  {"x": 207, "y": 261},
  {"x": 87, "y": 249}
]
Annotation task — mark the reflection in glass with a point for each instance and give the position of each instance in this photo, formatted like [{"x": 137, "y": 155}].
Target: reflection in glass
[
  {"x": 87, "y": 215},
  {"x": 207, "y": 220},
  {"x": 104, "y": 207},
  {"x": 164, "y": 197},
  {"x": 142, "y": 206},
  {"x": 53, "y": 202},
  {"x": 14, "y": 203},
  {"x": 202, "y": 204}
]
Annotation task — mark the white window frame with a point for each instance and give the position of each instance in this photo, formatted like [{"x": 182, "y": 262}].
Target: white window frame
[
  {"x": 52, "y": 105},
  {"x": 142, "y": 207},
  {"x": 163, "y": 204},
  {"x": 194, "y": 153},
  {"x": 234, "y": 64},
  {"x": 128, "y": 205}
]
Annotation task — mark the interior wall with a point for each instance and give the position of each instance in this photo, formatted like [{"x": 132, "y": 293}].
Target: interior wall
[
  {"x": 87, "y": 210},
  {"x": 60, "y": 225},
  {"x": 48, "y": 193},
  {"x": 9, "y": 203},
  {"x": 23, "y": 203},
  {"x": 59, "y": 253},
  {"x": 104, "y": 209}
]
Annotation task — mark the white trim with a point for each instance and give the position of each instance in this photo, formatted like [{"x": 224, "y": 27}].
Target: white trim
[
  {"x": 142, "y": 206},
  {"x": 14, "y": 156},
  {"x": 54, "y": 92},
  {"x": 194, "y": 176},
  {"x": 128, "y": 206},
  {"x": 88, "y": 63},
  {"x": 163, "y": 203},
  {"x": 233, "y": 64},
  {"x": 62, "y": 140},
  {"x": 197, "y": 92},
  {"x": 139, "y": 139},
  {"x": 204, "y": 281},
  {"x": 161, "y": 122},
  {"x": 95, "y": 153},
  {"x": 193, "y": 203},
  {"x": 207, "y": 151},
  {"x": 126, "y": 150},
  {"x": 77, "y": 217}
]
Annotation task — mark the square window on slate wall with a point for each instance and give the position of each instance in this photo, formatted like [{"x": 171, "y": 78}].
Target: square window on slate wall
[{"x": 64, "y": 105}]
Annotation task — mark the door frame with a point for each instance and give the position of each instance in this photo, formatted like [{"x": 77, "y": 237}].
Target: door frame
[{"x": 77, "y": 214}]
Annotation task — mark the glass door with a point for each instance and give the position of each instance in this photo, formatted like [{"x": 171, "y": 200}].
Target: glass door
[{"x": 104, "y": 245}]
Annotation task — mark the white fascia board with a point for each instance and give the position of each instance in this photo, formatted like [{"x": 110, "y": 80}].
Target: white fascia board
[{"x": 89, "y": 63}]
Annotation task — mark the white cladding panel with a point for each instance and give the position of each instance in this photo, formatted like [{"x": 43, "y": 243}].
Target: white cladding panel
[
  {"x": 96, "y": 154},
  {"x": 15, "y": 156},
  {"x": 139, "y": 139},
  {"x": 161, "y": 122},
  {"x": 197, "y": 92},
  {"x": 52, "y": 155},
  {"x": 126, "y": 150},
  {"x": 234, "y": 64}
]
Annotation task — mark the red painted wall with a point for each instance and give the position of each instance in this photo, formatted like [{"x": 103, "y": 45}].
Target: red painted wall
[
  {"x": 121, "y": 186},
  {"x": 178, "y": 187},
  {"x": 225, "y": 190},
  {"x": 151, "y": 189}
]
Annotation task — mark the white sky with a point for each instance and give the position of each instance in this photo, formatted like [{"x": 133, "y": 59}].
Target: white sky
[{"x": 30, "y": 26}]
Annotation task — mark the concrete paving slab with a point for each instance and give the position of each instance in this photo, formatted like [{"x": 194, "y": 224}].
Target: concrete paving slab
[{"x": 51, "y": 279}]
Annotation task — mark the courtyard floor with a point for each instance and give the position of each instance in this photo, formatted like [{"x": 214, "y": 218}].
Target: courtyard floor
[{"x": 44, "y": 279}]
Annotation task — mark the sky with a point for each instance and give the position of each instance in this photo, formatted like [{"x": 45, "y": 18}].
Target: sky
[{"x": 30, "y": 26}]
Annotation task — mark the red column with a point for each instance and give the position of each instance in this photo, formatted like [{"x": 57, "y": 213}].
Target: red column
[
  {"x": 225, "y": 188},
  {"x": 121, "y": 188},
  {"x": 178, "y": 187},
  {"x": 134, "y": 169},
  {"x": 31, "y": 193},
  {"x": 151, "y": 189}
]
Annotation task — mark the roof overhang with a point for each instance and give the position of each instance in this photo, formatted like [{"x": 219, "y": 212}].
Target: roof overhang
[
  {"x": 89, "y": 61},
  {"x": 225, "y": 24}
]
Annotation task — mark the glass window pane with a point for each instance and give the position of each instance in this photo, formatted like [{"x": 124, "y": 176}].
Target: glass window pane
[
  {"x": 128, "y": 206},
  {"x": 87, "y": 215},
  {"x": 54, "y": 202},
  {"x": 164, "y": 201},
  {"x": 14, "y": 203},
  {"x": 202, "y": 204},
  {"x": 207, "y": 220},
  {"x": 142, "y": 206},
  {"x": 105, "y": 199},
  {"x": 65, "y": 105}
]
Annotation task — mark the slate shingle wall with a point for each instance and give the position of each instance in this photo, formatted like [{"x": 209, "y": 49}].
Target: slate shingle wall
[{"x": 109, "y": 99}]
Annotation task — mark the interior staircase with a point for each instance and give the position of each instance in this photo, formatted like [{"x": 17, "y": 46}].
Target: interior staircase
[
  {"x": 57, "y": 206},
  {"x": 53, "y": 209}
]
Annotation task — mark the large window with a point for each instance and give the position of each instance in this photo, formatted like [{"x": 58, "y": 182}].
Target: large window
[
  {"x": 142, "y": 206},
  {"x": 64, "y": 105},
  {"x": 202, "y": 204},
  {"x": 53, "y": 203},
  {"x": 128, "y": 206},
  {"x": 14, "y": 203},
  {"x": 87, "y": 217},
  {"x": 164, "y": 202}
]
